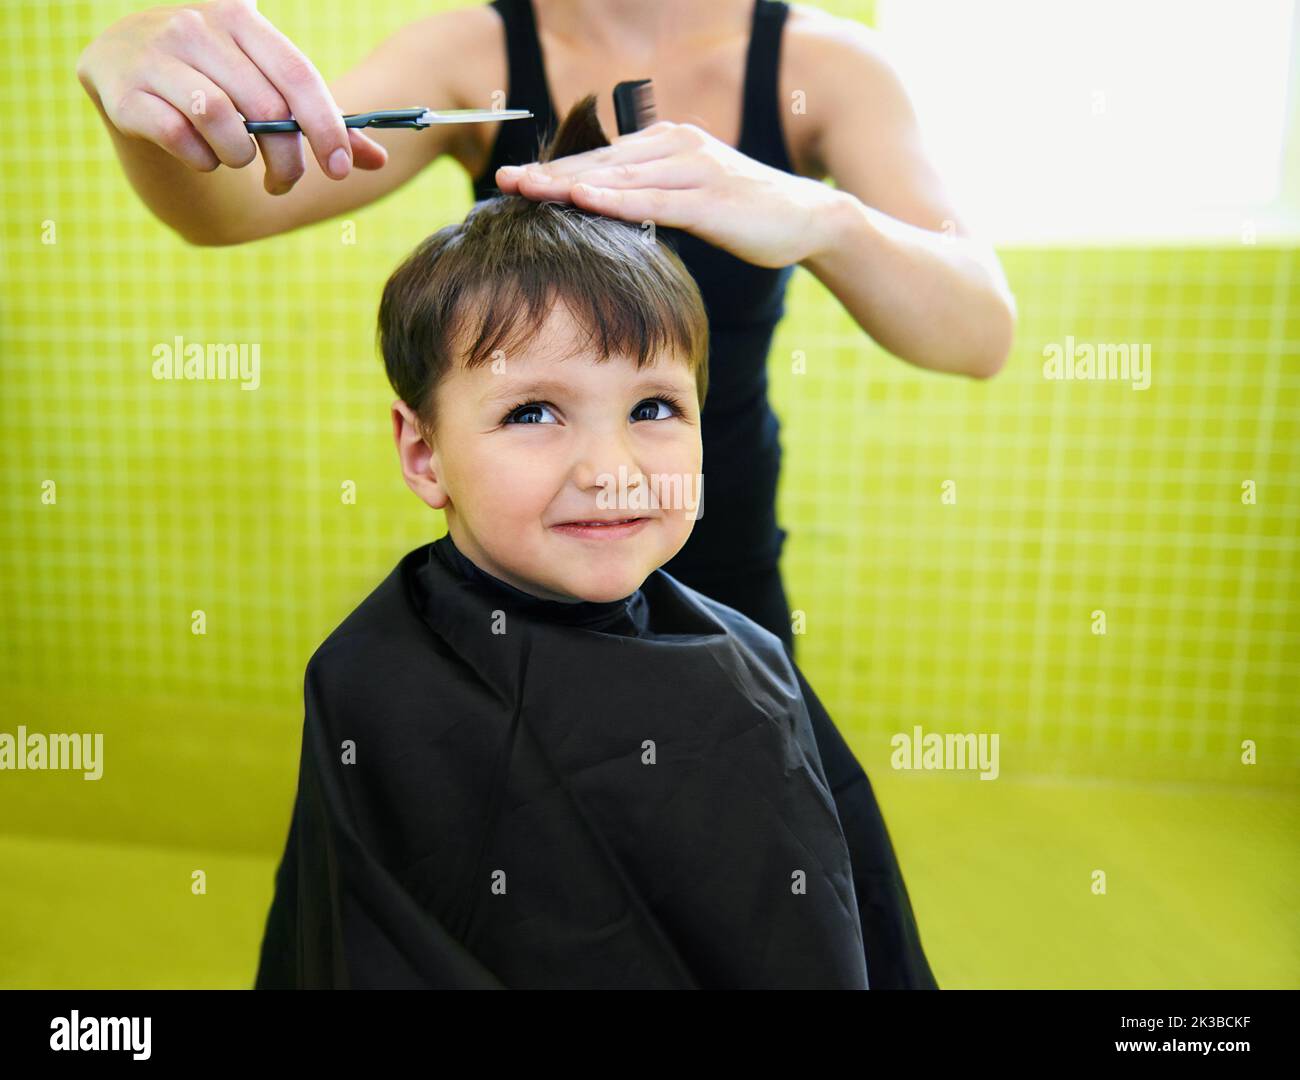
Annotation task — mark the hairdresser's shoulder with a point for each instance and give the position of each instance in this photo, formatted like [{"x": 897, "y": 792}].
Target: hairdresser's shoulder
[
  {"x": 464, "y": 47},
  {"x": 815, "y": 33},
  {"x": 822, "y": 50},
  {"x": 852, "y": 86},
  {"x": 467, "y": 34},
  {"x": 476, "y": 23}
]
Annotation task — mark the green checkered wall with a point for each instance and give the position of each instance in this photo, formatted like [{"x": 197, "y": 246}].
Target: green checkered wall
[{"x": 176, "y": 497}]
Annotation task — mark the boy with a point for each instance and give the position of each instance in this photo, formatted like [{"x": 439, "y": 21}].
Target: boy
[{"x": 531, "y": 758}]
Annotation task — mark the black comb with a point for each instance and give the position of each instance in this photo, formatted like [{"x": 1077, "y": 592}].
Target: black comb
[{"x": 634, "y": 105}]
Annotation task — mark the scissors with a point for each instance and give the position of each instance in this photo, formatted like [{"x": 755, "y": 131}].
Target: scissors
[{"x": 418, "y": 117}]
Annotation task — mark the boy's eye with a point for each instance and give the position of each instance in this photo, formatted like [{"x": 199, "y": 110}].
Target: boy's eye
[
  {"x": 670, "y": 404},
  {"x": 528, "y": 411}
]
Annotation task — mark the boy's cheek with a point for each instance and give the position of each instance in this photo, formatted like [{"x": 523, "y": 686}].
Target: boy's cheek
[
  {"x": 524, "y": 481},
  {"x": 523, "y": 464},
  {"x": 513, "y": 476},
  {"x": 680, "y": 476},
  {"x": 682, "y": 451}
]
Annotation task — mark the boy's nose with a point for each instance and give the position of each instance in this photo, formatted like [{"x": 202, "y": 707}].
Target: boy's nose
[{"x": 607, "y": 461}]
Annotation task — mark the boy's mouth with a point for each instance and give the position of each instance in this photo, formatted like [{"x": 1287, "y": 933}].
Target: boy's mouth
[{"x": 602, "y": 528}]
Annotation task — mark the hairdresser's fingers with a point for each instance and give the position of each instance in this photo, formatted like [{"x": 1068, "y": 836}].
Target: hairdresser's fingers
[
  {"x": 659, "y": 127},
  {"x": 624, "y": 151},
  {"x": 245, "y": 92},
  {"x": 144, "y": 115},
  {"x": 366, "y": 153},
  {"x": 759, "y": 214},
  {"x": 678, "y": 171},
  {"x": 205, "y": 106},
  {"x": 298, "y": 82},
  {"x": 621, "y": 150},
  {"x": 255, "y": 97},
  {"x": 673, "y": 209},
  {"x": 249, "y": 94},
  {"x": 663, "y": 139}
]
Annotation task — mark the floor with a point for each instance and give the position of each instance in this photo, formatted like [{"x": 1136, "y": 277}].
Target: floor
[{"x": 1201, "y": 889}]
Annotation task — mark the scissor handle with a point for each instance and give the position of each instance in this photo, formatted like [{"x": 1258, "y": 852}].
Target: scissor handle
[
  {"x": 386, "y": 118},
  {"x": 380, "y": 118}
]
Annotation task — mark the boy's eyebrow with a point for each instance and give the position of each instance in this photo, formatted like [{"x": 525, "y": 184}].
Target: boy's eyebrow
[
  {"x": 523, "y": 389},
  {"x": 559, "y": 387}
]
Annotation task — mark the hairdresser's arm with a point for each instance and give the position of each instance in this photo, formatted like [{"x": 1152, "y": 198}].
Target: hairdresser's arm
[
  {"x": 892, "y": 247},
  {"x": 141, "y": 74},
  {"x": 928, "y": 291}
]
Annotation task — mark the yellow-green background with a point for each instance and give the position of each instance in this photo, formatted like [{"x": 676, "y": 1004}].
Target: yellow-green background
[{"x": 1118, "y": 752}]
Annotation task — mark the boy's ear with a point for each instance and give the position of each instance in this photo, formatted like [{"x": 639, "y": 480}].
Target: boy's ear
[{"x": 421, "y": 468}]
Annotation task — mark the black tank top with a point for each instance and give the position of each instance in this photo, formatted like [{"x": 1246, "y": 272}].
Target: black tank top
[{"x": 737, "y": 533}]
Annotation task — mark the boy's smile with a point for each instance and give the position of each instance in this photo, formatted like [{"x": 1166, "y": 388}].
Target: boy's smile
[
  {"x": 602, "y": 530},
  {"x": 533, "y": 457}
]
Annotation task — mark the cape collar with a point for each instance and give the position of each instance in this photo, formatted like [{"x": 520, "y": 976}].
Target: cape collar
[
  {"x": 626, "y": 616},
  {"x": 664, "y": 630}
]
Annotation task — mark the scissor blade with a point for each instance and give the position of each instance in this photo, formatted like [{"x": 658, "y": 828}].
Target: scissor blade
[{"x": 471, "y": 116}]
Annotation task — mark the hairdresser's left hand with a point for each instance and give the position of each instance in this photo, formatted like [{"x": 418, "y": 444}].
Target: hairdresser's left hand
[{"x": 680, "y": 176}]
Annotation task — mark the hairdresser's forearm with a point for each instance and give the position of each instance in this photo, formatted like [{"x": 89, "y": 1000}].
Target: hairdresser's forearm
[{"x": 936, "y": 301}]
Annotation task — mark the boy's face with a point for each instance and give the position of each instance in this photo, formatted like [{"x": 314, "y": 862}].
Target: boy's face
[{"x": 544, "y": 440}]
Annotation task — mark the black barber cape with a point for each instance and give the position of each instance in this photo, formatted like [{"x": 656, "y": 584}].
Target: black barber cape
[{"x": 500, "y": 791}]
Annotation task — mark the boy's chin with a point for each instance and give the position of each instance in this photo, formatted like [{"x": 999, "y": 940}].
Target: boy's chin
[
  {"x": 612, "y": 594},
  {"x": 598, "y": 585},
  {"x": 601, "y": 592}
]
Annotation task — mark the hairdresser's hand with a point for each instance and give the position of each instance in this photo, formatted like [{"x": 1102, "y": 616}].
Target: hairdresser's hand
[
  {"x": 181, "y": 76},
  {"x": 680, "y": 176}
]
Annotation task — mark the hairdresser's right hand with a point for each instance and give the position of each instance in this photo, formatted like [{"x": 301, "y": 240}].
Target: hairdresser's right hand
[{"x": 181, "y": 76}]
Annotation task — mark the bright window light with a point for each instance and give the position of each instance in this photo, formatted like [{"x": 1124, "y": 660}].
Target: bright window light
[{"x": 1108, "y": 120}]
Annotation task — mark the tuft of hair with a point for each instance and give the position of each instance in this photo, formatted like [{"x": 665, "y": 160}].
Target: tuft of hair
[
  {"x": 579, "y": 132},
  {"x": 482, "y": 288}
]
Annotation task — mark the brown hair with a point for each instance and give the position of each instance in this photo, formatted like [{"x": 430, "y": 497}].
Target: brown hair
[{"x": 489, "y": 283}]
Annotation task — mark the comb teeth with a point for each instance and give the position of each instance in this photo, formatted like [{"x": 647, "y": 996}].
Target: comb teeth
[{"x": 634, "y": 106}]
